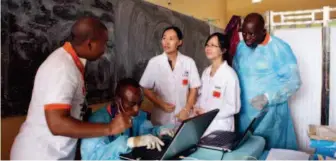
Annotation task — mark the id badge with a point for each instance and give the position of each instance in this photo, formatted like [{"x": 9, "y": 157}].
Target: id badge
[
  {"x": 216, "y": 94},
  {"x": 185, "y": 82}
]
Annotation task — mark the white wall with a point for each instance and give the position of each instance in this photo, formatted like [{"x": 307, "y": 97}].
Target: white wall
[{"x": 305, "y": 105}]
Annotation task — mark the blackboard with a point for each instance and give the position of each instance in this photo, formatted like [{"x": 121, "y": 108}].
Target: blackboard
[{"x": 32, "y": 29}]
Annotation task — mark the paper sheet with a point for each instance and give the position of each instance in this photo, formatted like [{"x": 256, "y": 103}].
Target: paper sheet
[
  {"x": 319, "y": 132},
  {"x": 285, "y": 154}
]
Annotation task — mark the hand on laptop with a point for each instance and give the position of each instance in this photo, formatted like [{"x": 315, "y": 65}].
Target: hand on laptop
[
  {"x": 167, "y": 131},
  {"x": 150, "y": 141},
  {"x": 198, "y": 111},
  {"x": 183, "y": 114}
]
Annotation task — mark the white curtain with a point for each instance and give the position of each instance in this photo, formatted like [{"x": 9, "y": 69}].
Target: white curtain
[
  {"x": 305, "y": 105},
  {"x": 332, "y": 107}
]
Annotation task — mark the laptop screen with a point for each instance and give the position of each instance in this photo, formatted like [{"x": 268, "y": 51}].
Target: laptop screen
[
  {"x": 189, "y": 134},
  {"x": 252, "y": 126}
]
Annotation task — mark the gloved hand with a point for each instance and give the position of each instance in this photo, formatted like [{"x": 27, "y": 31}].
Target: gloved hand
[
  {"x": 150, "y": 141},
  {"x": 259, "y": 102},
  {"x": 167, "y": 131}
]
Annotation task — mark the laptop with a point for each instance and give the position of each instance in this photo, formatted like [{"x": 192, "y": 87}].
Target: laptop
[
  {"x": 183, "y": 143},
  {"x": 228, "y": 141}
]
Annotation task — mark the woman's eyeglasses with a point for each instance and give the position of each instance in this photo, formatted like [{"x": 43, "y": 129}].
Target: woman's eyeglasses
[{"x": 211, "y": 45}]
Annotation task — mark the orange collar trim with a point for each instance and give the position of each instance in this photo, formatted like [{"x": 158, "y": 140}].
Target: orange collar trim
[
  {"x": 68, "y": 47},
  {"x": 109, "y": 109},
  {"x": 267, "y": 39}
]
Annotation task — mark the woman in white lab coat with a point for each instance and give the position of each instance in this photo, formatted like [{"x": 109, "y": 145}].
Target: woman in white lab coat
[
  {"x": 220, "y": 85},
  {"x": 171, "y": 81}
]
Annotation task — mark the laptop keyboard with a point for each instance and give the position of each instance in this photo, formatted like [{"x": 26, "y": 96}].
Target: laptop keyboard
[{"x": 219, "y": 139}]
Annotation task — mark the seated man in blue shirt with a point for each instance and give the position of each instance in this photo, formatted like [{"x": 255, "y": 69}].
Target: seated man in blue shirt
[{"x": 133, "y": 129}]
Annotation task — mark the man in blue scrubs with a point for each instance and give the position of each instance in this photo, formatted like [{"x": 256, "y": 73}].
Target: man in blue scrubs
[
  {"x": 268, "y": 75},
  {"x": 125, "y": 108}
]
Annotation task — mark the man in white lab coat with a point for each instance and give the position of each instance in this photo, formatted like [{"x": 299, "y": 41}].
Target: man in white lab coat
[
  {"x": 170, "y": 81},
  {"x": 53, "y": 121}
]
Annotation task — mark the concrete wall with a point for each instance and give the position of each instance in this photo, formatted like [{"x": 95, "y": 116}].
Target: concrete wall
[{"x": 32, "y": 29}]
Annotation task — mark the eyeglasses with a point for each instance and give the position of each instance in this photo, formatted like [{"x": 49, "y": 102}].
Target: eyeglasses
[
  {"x": 249, "y": 34},
  {"x": 212, "y": 46}
]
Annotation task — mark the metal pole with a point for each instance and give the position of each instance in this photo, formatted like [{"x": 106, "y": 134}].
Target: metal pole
[
  {"x": 325, "y": 75},
  {"x": 271, "y": 22},
  {"x": 267, "y": 24},
  {"x": 325, "y": 68}
]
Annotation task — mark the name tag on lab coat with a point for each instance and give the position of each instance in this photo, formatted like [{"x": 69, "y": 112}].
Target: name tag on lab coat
[
  {"x": 216, "y": 94},
  {"x": 185, "y": 82}
]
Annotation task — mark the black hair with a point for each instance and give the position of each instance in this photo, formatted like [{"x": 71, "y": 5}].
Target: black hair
[
  {"x": 176, "y": 29},
  {"x": 224, "y": 43},
  {"x": 123, "y": 84}
]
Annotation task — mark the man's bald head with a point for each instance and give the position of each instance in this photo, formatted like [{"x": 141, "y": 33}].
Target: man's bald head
[
  {"x": 129, "y": 95},
  {"x": 253, "y": 29},
  {"x": 86, "y": 28},
  {"x": 257, "y": 19},
  {"x": 89, "y": 36}
]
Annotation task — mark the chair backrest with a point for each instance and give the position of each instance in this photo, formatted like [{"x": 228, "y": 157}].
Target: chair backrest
[
  {"x": 10, "y": 127},
  {"x": 236, "y": 119}
]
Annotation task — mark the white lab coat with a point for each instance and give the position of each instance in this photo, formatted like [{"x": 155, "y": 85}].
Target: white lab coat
[
  {"x": 221, "y": 92},
  {"x": 59, "y": 83},
  {"x": 171, "y": 86}
]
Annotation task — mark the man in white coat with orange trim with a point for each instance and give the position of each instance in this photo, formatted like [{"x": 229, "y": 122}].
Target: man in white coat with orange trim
[{"x": 53, "y": 121}]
